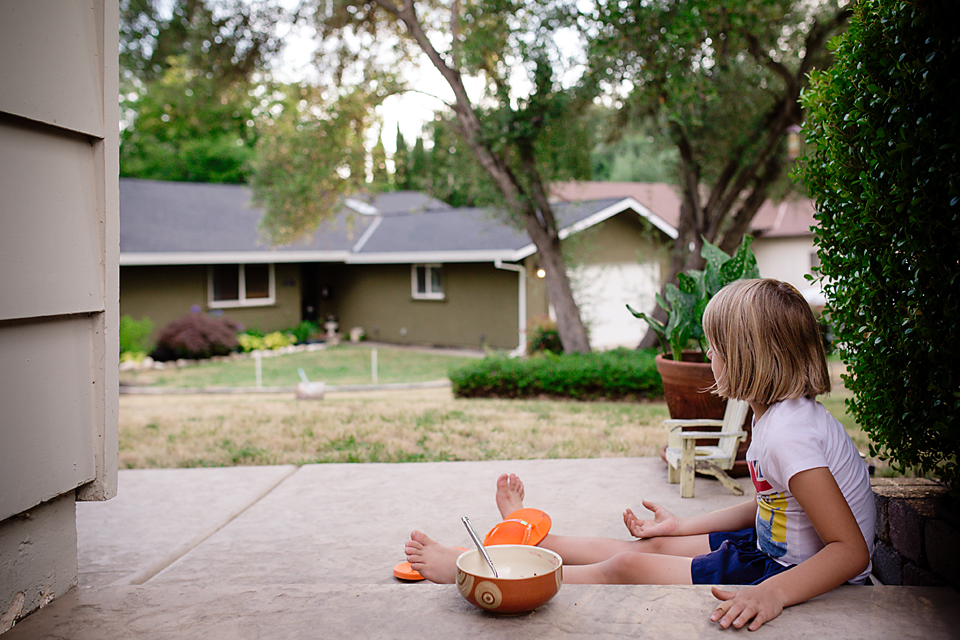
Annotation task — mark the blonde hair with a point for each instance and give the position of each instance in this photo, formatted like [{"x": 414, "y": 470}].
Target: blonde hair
[{"x": 769, "y": 340}]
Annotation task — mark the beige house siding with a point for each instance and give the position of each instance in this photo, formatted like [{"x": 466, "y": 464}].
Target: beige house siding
[
  {"x": 788, "y": 258},
  {"x": 166, "y": 293},
  {"x": 59, "y": 248}
]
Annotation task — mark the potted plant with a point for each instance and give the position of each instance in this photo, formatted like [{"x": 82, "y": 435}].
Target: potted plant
[{"x": 683, "y": 365}]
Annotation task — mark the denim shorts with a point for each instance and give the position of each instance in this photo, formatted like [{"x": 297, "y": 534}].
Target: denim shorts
[{"x": 734, "y": 559}]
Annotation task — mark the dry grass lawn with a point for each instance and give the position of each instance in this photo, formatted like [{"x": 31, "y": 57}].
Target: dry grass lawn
[
  {"x": 385, "y": 426},
  {"x": 392, "y": 426}
]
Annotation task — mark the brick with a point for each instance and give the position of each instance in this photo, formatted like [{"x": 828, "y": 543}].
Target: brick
[
  {"x": 887, "y": 564},
  {"x": 943, "y": 550}
]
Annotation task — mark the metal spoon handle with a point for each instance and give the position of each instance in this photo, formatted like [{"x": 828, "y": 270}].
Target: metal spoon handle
[{"x": 476, "y": 541}]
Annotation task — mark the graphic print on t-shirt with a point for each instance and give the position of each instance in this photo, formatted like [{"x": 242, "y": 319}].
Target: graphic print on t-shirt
[{"x": 771, "y": 514}]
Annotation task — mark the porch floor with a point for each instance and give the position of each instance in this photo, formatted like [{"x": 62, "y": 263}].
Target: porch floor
[{"x": 307, "y": 552}]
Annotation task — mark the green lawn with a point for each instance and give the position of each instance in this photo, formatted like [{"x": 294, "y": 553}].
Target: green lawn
[{"x": 341, "y": 365}]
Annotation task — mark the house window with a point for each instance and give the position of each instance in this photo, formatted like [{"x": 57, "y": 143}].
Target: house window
[
  {"x": 241, "y": 285},
  {"x": 427, "y": 282}
]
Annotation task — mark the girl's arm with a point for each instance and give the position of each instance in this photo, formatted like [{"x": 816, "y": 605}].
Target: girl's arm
[
  {"x": 665, "y": 523},
  {"x": 843, "y": 557}
]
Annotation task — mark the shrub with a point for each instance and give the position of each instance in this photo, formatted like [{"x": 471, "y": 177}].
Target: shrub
[
  {"x": 135, "y": 337},
  {"x": 616, "y": 375},
  {"x": 884, "y": 171},
  {"x": 686, "y": 303},
  {"x": 542, "y": 335},
  {"x": 250, "y": 341},
  {"x": 304, "y": 331},
  {"x": 196, "y": 335}
]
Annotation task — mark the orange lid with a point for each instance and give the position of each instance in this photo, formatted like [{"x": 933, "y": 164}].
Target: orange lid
[
  {"x": 523, "y": 526},
  {"x": 405, "y": 572}
]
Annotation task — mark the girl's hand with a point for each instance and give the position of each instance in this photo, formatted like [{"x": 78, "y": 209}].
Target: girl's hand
[
  {"x": 740, "y": 607},
  {"x": 664, "y": 523}
]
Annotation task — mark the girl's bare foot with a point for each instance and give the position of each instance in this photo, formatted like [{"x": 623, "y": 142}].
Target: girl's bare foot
[
  {"x": 509, "y": 494},
  {"x": 432, "y": 560}
]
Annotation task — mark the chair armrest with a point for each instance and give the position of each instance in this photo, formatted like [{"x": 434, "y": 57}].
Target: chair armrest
[
  {"x": 687, "y": 435},
  {"x": 699, "y": 422}
]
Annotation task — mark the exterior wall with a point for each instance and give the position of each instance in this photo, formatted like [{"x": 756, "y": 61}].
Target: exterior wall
[
  {"x": 617, "y": 262},
  {"x": 480, "y": 307},
  {"x": 787, "y": 259},
  {"x": 59, "y": 248},
  {"x": 165, "y": 293}
]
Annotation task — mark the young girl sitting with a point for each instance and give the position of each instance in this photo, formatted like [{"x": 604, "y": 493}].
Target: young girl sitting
[{"x": 810, "y": 527}]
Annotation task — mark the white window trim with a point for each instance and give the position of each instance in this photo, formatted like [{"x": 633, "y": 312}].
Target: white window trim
[
  {"x": 429, "y": 295},
  {"x": 243, "y": 301}
]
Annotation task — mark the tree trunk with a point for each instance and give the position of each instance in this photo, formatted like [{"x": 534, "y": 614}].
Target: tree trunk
[
  {"x": 742, "y": 186},
  {"x": 534, "y": 207}
]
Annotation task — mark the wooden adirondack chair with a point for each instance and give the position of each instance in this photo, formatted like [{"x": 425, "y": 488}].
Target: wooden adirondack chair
[{"x": 684, "y": 457}]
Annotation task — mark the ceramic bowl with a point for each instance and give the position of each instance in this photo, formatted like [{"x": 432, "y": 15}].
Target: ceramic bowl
[{"x": 527, "y": 578}]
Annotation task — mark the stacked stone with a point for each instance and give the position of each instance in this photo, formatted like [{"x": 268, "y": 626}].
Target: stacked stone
[{"x": 918, "y": 541}]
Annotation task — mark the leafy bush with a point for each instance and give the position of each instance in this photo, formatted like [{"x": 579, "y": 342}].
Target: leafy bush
[
  {"x": 542, "y": 335},
  {"x": 884, "y": 171},
  {"x": 685, "y": 304},
  {"x": 196, "y": 335},
  {"x": 617, "y": 374},
  {"x": 250, "y": 341},
  {"x": 135, "y": 337},
  {"x": 304, "y": 331}
]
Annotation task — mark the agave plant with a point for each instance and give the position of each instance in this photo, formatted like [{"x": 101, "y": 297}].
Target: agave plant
[{"x": 685, "y": 303}]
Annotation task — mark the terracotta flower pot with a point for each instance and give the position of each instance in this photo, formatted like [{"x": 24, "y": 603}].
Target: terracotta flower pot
[{"x": 686, "y": 387}]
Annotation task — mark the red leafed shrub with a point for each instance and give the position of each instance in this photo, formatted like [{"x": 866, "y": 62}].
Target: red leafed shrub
[{"x": 196, "y": 335}]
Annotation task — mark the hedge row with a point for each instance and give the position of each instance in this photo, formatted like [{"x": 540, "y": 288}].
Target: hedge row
[{"x": 621, "y": 374}]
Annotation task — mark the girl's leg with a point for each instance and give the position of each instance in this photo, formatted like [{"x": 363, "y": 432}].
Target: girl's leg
[
  {"x": 438, "y": 563},
  {"x": 434, "y": 561},
  {"x": 583, "y": 551},
  {"x": 632, "y": 568},
  {"x": 578, "y": 551}
]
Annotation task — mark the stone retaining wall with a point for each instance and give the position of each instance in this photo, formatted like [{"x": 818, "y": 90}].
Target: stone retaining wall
[{"x": 915, "y": 545}]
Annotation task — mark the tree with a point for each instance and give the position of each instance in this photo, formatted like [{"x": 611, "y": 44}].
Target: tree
[
  {"x": 190, "y": 90},
  {"x": 722, "y": 79},
  {"x": 311, "y": 151},
  {"x": 514, "y": 133},
  {"x": 884, "y": 170},
  {"x": 632, "y": 152}
]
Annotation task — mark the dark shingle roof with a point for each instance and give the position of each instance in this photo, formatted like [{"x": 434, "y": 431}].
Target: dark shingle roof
[{"x": 179, "y": 222}]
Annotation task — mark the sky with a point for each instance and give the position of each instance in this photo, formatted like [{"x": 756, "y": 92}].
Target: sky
[{"x": 409, "y": 111}]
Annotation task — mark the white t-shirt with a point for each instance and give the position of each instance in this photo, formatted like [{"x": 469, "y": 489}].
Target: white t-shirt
[{"x": 794, "y": 436}]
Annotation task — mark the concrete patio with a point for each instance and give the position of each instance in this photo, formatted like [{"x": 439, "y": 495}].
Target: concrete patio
[{"x": 307, "y": 552}]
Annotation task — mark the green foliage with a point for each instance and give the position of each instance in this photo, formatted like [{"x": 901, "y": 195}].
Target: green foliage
[
  {"x": 197, "y": 336},
  {"x": 721, "y": 80},
  {"x": 188, "y": 103},
  {"x": 614, "y": 375},
  {"x": 275, "y": 340},
  {"x": 304, "y": 331},
  {"x": 135, "y": 336},
  {"x": 884, "y": 171},
  {"x": 186, "y": 128},
  {"x": 309, "y": 155},
  {"x": 685, "y": 304},
  {"x": 542, "y": 335},
  {"x": 631, "y": 152}
]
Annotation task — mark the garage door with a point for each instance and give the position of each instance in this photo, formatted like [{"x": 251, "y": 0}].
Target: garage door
[{"x": 602, "y": 293}]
